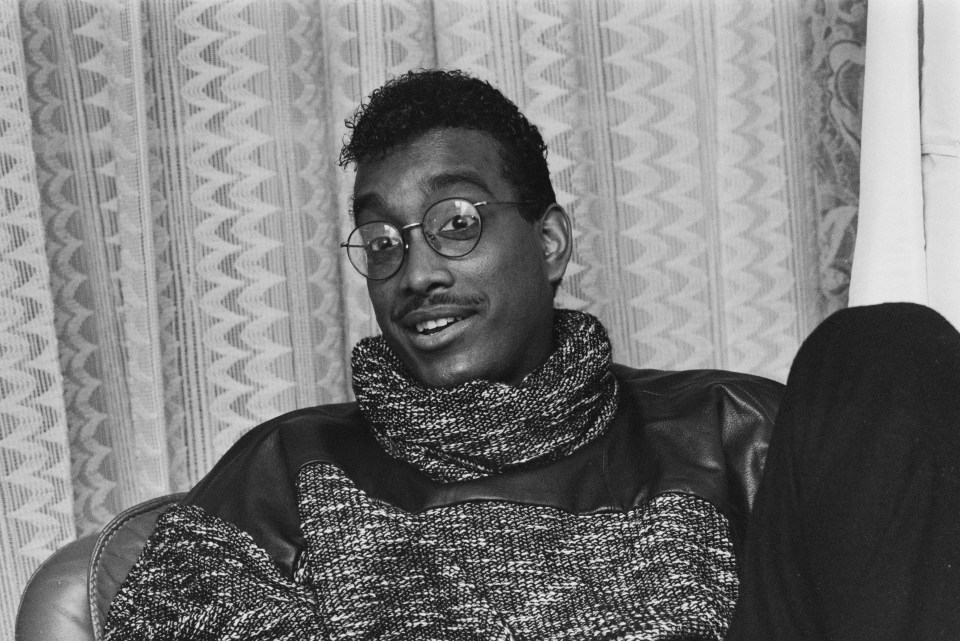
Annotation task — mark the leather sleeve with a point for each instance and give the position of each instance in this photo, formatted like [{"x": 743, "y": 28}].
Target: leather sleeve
[{"x": 708, "y": 431}]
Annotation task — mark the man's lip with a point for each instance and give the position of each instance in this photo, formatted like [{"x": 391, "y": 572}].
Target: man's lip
[
  {"x": 438, "y": 340},
  {"x": 410, "y": 320}
]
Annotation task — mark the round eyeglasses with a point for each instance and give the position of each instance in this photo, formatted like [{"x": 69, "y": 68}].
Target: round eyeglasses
[{"x": 451, "y": 227}]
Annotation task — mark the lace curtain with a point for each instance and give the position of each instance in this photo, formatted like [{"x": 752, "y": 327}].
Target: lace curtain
[{"x": 172, "y": 210}]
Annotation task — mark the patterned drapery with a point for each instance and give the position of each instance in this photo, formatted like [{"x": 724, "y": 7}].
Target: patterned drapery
[
  {"x": 169, "y": 239},
  {"x": 836, "y": 34}
]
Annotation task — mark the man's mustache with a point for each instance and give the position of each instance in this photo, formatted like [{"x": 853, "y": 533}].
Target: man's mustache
[{"x": 435, "y": 300}]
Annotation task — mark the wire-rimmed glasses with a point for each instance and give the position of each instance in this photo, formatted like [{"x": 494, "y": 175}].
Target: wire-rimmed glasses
[{"x": 451, "y": 227}]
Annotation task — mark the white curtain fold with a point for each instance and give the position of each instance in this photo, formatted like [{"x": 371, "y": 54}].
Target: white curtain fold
[
  {"x": 908, "y": 232},
  {"x": 889, "y": 262},
  {"x": 169, "y": 253},
  {"x": 940, "y": 149}
]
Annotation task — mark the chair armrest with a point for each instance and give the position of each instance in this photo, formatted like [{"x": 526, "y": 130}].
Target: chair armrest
[
  {"x": 55, "y": 605},
  {"x": 67, "y": 598},
  {"x": 117, "y": 550}
]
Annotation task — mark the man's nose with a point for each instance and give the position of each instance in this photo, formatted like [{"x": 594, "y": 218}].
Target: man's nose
[{"x": 423, "y": 268}]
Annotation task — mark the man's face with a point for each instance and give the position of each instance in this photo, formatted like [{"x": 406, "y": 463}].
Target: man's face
[{"x": 497, "y": 301}]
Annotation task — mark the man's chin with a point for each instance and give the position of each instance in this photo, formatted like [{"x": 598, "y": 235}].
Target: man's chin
[
  {"x": 464, "y": 361},
  {"x": 446, "y": 370},
  {"x": 442, "y": 375},
  {"x": 451, "y": 372}
]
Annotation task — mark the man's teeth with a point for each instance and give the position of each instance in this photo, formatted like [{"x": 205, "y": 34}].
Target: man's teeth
[{"x": 440, "y": 323}]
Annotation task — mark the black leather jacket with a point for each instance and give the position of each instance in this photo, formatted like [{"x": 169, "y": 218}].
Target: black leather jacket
[{"x": 699, "y": 432}]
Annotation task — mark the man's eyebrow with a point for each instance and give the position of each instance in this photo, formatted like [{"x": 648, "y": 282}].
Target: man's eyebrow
[
  {"x": 364, "y": 201},
  {"x": 458, "y": 177}
]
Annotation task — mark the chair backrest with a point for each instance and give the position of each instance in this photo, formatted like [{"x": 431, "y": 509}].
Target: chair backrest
[{"x": 68, "y": 597}]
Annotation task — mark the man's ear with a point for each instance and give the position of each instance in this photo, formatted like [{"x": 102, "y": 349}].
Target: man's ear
[{"x": 556, "y": 237}]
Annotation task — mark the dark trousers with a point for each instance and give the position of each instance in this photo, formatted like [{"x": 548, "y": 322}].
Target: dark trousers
[{"x": 856, "y": 528}]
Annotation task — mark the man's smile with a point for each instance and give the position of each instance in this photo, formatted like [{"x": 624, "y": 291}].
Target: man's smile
[
  {"x": 433, "y": 326},
  {"x": 438, "y": 331}
]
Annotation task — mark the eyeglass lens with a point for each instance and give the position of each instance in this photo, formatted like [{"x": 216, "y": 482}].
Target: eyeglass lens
[{"x": 451, "y": 227}]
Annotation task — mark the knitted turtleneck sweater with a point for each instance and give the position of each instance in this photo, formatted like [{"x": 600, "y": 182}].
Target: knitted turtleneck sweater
[{"x": 481, "y": 569}]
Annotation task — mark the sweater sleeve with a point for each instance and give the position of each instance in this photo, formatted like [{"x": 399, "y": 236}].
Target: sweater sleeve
[{"x": 200, "y": 578}]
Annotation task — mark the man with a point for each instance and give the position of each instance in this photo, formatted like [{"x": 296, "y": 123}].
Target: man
[{"x": 498, "y": 477}]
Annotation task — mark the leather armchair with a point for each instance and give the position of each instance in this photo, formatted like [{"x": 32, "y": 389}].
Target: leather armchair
[{"x": 68, "y": 597}]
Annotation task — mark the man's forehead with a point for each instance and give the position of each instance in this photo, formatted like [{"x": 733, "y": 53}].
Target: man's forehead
[
  {"x": 441, "y": 160},
  {"x": 444, "y": 178}
]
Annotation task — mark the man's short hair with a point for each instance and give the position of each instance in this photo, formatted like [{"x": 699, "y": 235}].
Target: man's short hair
[{"x": 419, "y": 101}]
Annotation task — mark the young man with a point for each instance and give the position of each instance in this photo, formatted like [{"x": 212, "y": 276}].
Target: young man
[{"x": 498, "y": 476}]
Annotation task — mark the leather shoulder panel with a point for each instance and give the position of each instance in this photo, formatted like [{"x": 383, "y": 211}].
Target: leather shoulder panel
[{"x": 708, "y": 431}]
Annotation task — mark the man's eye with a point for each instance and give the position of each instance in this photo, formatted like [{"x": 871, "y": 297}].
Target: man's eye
[
  {"x": 381, "y": 243},
  {"x": 460, "y": 225}
]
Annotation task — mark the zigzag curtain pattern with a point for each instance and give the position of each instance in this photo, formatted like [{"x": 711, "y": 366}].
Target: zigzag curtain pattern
[{"x": 169, "y": 253}]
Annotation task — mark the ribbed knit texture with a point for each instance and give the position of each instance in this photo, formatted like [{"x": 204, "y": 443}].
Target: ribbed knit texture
[
  {"x": 498, "y": 570},
  {"x": 484, "y": 427}
]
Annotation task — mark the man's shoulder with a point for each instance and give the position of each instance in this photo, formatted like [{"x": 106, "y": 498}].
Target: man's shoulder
[
  {"x": 696, "y": 390},
  {"x": 330, "y": 416},
  {"x": 282, "y": 444},
  {"x": 308, "y": 432},
  {"x": 702, "y": 420},
  {"x": 672, "y": 382},
  {"x": 253, "y": 485},
  {"x": 300, "y": 422}
]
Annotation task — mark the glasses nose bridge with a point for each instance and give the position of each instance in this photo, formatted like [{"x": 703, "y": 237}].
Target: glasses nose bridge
[
  {"x": 403, "y": 233},
  {"x": 406, "y": 237}
]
